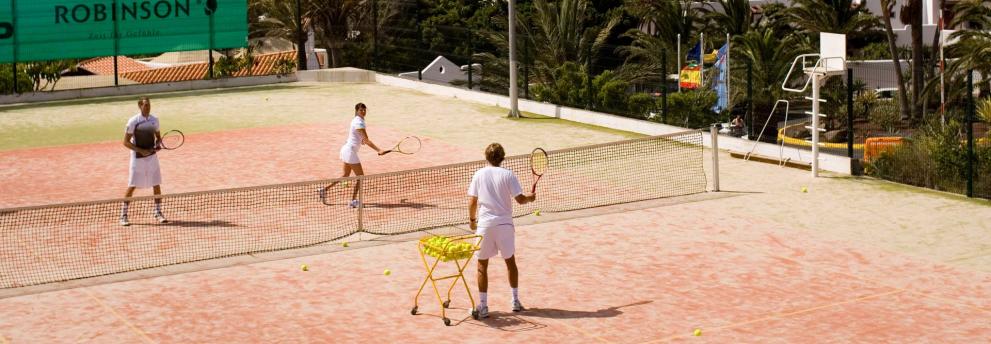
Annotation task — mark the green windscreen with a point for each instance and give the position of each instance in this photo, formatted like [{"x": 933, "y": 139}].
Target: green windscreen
[{"x": 38, "y": 30}]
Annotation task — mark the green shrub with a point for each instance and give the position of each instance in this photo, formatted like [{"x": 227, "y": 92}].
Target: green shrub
[
  {"x": 639, "y": 104},
  {"x": 691, "y": 109},
  {"x": 24, "y": 83},
  {"x": 610, "y": 92},
  {"x": 568, "y": 87},
  {"x": 935, "y": 157}
]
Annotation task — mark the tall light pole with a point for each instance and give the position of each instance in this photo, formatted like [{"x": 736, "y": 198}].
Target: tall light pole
[{"x": 514, "y": 110}]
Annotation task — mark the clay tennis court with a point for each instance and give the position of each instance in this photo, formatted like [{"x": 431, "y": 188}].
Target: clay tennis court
[{"x": 851, "y": 260}]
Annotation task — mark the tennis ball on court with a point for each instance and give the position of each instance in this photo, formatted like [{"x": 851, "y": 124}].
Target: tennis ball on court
[
  {"x": 805, "y": 189},
  {"x": 536, "y": 212},
  {"x": 698, "y": 332},
  {"x": 304, "y": 267},
  {"x": 266, "y": 98},
  {"x": 344, "y": 184},
  {"x": 387, "y": 272},
  {"x": 345, "y": 244}
]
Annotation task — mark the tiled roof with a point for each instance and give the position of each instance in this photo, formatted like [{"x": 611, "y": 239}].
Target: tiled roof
[
  {"x": 263, "y": 65},
  {"x": 105, "y": 65}
]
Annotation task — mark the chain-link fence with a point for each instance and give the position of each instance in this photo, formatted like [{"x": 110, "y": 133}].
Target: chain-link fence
[{"x": 941, "y": 143}]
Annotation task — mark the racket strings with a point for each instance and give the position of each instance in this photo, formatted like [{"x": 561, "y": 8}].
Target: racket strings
[
  {"x": 172, "y": 140},
  {"x": 539, "y": 162},
  {"x": 409, "y": 145}
]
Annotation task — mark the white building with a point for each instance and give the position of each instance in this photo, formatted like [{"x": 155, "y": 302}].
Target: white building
[{"x": 443, "y": 71}]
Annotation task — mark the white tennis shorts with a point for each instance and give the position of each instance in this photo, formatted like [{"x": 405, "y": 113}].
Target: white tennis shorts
[
  {"x": 349, "y": 155},
  {"x": 499, "y": 239},
  {"x": 144, "y": 172}
]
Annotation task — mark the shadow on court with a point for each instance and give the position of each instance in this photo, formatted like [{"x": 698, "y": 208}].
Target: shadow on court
[{"x": 572, "y": 314}]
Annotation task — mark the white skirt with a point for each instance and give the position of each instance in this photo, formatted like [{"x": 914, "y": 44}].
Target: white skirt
[
  {"x": 349, "y": 155},
  {"x": 144, "y": 172}
]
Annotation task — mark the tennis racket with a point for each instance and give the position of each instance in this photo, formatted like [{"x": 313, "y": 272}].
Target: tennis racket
[
  {"x": 409, "y": 145},
  {"x": 171, "y": 140},
  {"x": 538, "y": 165}
]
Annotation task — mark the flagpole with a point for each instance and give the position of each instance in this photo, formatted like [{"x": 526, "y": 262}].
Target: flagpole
[
  {"x": 942, "y": 62},
  {"x": 677, "y": 68},
  {"x": 729, "y": 95},
  {"x": 701, "y": 60}
]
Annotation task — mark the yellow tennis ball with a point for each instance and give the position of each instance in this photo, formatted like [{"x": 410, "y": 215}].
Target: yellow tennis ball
[
  {"x": 345, "y": 244},
  {"x": 304, "y": 267},
  {"x": 805, "y": 189},
  {"x": 536, "y": 212},
  {"x": 698, "y": 332},
  {"x": 387, "y": 272}
]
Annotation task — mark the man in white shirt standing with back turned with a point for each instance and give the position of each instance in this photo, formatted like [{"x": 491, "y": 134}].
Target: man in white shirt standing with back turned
[{"x": 490, "y": 211}]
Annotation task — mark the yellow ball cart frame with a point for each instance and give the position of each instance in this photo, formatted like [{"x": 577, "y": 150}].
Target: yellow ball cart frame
[{"x": 430, "y": 250}]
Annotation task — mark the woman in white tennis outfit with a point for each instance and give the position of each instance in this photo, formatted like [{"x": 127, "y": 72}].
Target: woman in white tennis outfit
[
  {"x": 357, "y": 136},
  {"x": 142, "y": 137}
]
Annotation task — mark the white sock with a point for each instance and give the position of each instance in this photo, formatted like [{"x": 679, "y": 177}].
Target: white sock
[
  {"x": 123, "y": 209},
  {"x": 483, "y": 298},
  {"x": 516, "y": 294},
  {"x": 158, "y": 208}
]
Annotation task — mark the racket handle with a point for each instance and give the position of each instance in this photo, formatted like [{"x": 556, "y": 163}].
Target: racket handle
[{"x": 386, "y": 152}]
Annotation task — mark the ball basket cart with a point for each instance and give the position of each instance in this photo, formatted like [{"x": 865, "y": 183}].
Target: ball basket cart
[{"x": 436, "y": 249}]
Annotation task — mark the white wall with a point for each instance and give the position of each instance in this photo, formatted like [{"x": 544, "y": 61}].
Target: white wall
[
  {"x": 125, "y": 90},
  {"x": 827, "y": 162}
]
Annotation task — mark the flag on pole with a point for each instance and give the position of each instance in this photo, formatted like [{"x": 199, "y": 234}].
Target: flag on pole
[
  {"x": 695, "y": 54},
  {"x": 722, "y": 78},
  {"x": 691, "y": 76}
]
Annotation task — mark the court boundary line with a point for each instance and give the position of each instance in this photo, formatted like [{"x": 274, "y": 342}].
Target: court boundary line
[
  {"x": 894, "y": 290},
  {"x": 782, "y": 316},
  {"x": 120, "y": 317},
  {"x": 877, "y": 282},
  {"x": 885, "y": 284}
]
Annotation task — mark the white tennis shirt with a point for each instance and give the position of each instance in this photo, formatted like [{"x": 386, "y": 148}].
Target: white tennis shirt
[
  {"x": 354, "y": 136},
  {"x": 495, "y": 188},
  {"x": 140, "y": 125}
]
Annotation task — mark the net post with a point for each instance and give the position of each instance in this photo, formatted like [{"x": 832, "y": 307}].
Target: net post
[
  {"x": 361, "y": 206},
  {"x": 714, "y": 133}
]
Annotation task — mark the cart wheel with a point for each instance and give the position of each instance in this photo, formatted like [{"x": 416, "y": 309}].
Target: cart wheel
[
  {"x": 447, "y": 303},
  {"x": 447, "y": 321},
  {"x": 413, "y": 312},
  {"x": 474, "y": 314}
]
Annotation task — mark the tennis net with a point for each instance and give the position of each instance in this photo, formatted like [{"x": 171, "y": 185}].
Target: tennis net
[{"x": 63, "y": 242}]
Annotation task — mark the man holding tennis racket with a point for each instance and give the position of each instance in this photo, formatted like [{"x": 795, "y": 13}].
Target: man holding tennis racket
[
  {"x": 143, "y": 138},
  {"x": 357, "y": 136},
  {"x": 490, "y": 210}
]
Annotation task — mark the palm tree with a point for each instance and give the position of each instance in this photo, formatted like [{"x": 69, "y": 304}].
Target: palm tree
[
  {"x": 912, "y": 13},
  {"x": 886, "y": 7},
  {"x": 847, "y": 17},
  {"x": 272, "y": 19},
  {"x": 770, "y": 54},
  {"x": 668, "y": 18},
  {"x": 734, "y": 17},
  {"x": 561, "y": 34},
  {"x": 973, "y": 48},
  {"x": 661, "y": 22}
]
